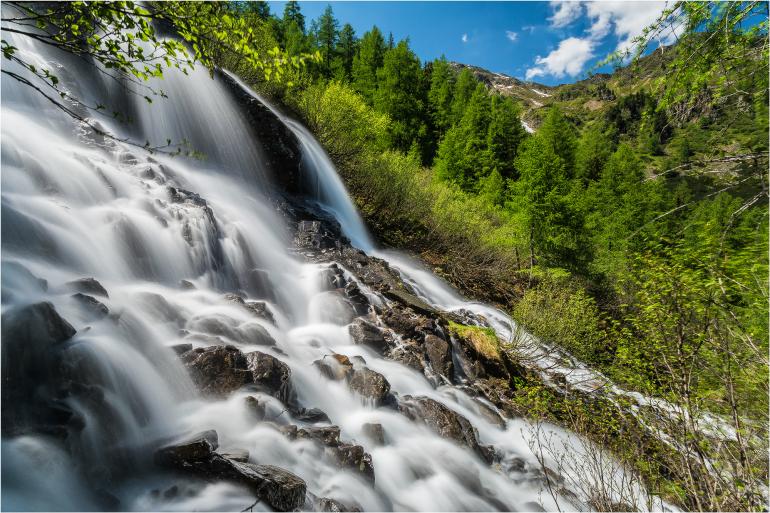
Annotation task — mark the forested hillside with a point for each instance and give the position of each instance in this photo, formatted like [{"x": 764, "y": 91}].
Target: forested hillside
[{"x": 630, "y": 228}]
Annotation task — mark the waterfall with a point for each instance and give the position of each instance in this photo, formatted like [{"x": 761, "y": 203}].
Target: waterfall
[{"x": 168, "y": 238}]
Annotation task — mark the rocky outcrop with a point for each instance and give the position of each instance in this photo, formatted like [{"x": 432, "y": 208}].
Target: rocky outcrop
[
  {"x": 278, "y": 487},
  {"x": 258, "y": 309},
  {"x": 367, "y": 334},
  {"x": 33, "y": 339},
  {"x": 445, "y": 422},
  {"x": 370, "y": 384},
  {"x": 271, "y": 375},
  {"x": 439, "y": 355},
  {"x": 95, "y": 308},
  {"x": 87, "y": 286},
  {"x": 282, "y": 156}
]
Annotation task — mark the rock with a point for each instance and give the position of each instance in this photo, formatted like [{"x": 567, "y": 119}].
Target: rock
[
  {"x": 271, "y": 374},
  {"x": 88, "y": 286},
  {"x": 374, "y": 432},
  {"x": 403, "y": 321},
  {"x": 316, "y": 235},
  {"x": 355, "y": 457},
  {"x": 181, "y": 349},
  {"x": 410, "y": 300},
  {"x": 256, "y": 334},
  {"x": 257, "y": 308},
  {"x": 310, "y": 415},
  {"x": 445, "y": 422},
  {"x": 218, "y": 370},
  {"x": 281, "y": 489},
  {"x": 330, "y": 505},
  {"x": 370, "y": 385},
  {"x": 365, "y": 333},
  {"x": 329, "y": 435},
  {"x": 439, "y": 355},
  {"x": 186, "y": 285},
  {"x": 32, "y": 343},
  {"x": 407, "y": 353},
  {"x": 196, "y": 448},
  {"x": 332, "y": 277},
  {"x": 161, "y": 309},
  {"x": 239, "y": 455},
  {"x": 335, "y": 366},
  {"x": 90, "y": 304},
  {"x": 357, "y": 298},
  {"x": 255, "y": 407}
]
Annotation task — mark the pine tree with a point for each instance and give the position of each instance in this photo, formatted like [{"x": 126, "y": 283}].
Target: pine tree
[
  {"x": 327, "y": 35},
  {"x": 400, "y": 95},
  {"x": 560, "y": 134},
  {"x": 463, "y": 90},
  {"x": 371, "y": 51},
  {"x": 292, "y": 13},
  {"x": 440, "y": 96},
  {"x": 593, "y": 150},
  {"x": 346, "y": 51},
  {"x": 504, "y": 135}
]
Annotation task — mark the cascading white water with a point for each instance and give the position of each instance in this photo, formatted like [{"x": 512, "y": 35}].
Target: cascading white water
[{"x": 76, "y": 206}]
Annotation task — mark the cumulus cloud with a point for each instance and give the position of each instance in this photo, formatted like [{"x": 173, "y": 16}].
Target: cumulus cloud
[
  {"x": 626, "y": 20},
  {"x": 464, "y": 39},
  {"x": 568, "y": 59},
  {"x": 622, "y": 19},
  {"x": 565, "y": 12},
  {"x": 511, "y": 35}
]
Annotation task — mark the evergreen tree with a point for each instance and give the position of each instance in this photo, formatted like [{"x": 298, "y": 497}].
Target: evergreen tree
[
  {"x": 400, "y": 95},
  {"x": 369, "y": 58},
  {"x": 462, "y": 94},
  {"x": 440, "y": 96},
  {"x": 560, "y": 134},
  {"x": 593, "y": 150},
  {"x": 327, "y": 35},
  {"x": 346, "y": 51},
  {"x": 292, "y": 13},
  {"x": 504, "y": 135}
]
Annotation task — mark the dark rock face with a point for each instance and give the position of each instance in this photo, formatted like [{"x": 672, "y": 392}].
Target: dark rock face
[
  {"x": 217, "y": 370},
  {"x": 439, "y": 355},
  {"x": 365, "y": 333},
  {"x": 370, "y": 385},
  {"x": 354, "y": 457},
  {"x": 181, "y": 348},
  {"x": 411, "y": 301},
  {"x": 443, "y": 421},
  {"x": 87, "y": 286},
  {"x": 271, "y": 374},
  {"x": 316, "y": 235},
  {"x": 283, "y": 155},
  {"x": 33, "y": 338},
  {"x": 357, "y": 298},
  {"x": 329, "y": 435},
  {"x": 279, "y": 488},
  {"x": 330, "y": 505},
  {"x": 311, "y": 415},
  {"x": 409, "y": 353},
  {"x": 255, "y": 407},
  {"x": 90, "y": 304}
]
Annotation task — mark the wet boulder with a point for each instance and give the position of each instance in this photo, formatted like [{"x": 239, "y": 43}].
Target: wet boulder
[
  {"x": 316, "y": 234},
  {"x": 370, "y": 385},
  {"x": 335, "y": 367},
  {"x": 95, "y": 308},
  {"x": 270, "y": 374},
  {"x": 331, "y": 505},
  {"x": 332, "y": 278},
  {"x": 278, "y": 487},
  {"x": 409, "y": 353},
  {"x": 357, "y": 298},
  {"x": 258, "y": 309},
  {"x": 87, "y": 286},
  {"x": 374, "y": 432},
  {"x": 217, "y": 370},
  {"x": 239, "y": 455},
  {"x": 196, "y": 448},
  {"x": 365, "y": 333},
  {"x": 255, "y": 408},
  {"x": 310, "y": 415},
  {"x": 33, "y": 339},
  {"x": 328, "y": 435},
  {"x": 439, "y": 355},
  {"x": 410, "y": 300},
  {"x": 180, "y": 349},
  {"x": 356, "y": 458},
  {"x": 444, "y": 421}
]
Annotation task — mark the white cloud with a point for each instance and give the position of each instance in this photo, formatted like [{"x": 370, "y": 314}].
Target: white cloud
[
  {"x": 513, "y": 36},
  {"x": 626, "y": 20},
  {"x": 528, "y": 28},
  {"x": 565, "y": 12},
  {"x": 464, "y": 38},
  {"x": 568, "y": 59}
]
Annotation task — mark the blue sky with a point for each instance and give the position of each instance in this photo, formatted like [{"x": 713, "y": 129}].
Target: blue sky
[{"x": 547, "y": 42}]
